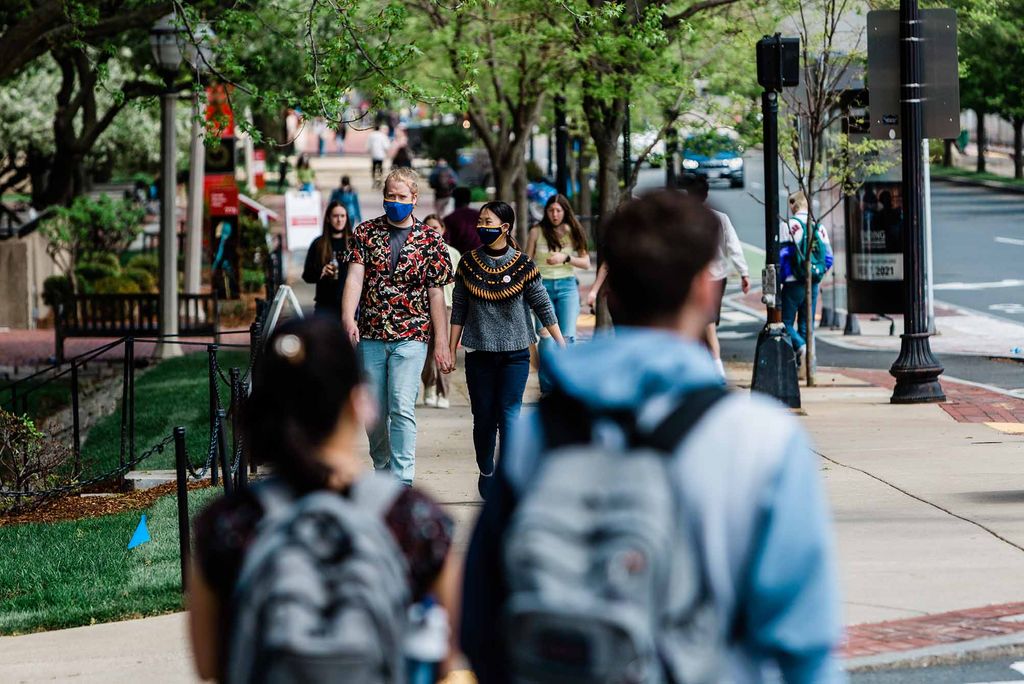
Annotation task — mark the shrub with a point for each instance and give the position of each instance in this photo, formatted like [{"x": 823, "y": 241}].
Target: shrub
[
  {"x": 253, "y": 280},
  {"x": 141, "y": 277},
  {"x": 146, "y": 262},
  {"x": 479, "y": 195},
  {"x": 252, "y": 241},
  {"x": 118, "y": 284},
  {"x": 28, "y": 460},
  {"x": 56, "y": 290},
  {"x": 90, "y": 272}
]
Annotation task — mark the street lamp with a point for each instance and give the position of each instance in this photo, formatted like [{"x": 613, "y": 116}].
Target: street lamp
[
  {"x": 199, "y": 55},
  {"x": 167, "y": 53}
]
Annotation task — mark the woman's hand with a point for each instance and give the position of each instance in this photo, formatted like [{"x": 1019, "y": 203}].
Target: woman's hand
[
  {"x": 329, "y": 271},
  {"x": 558, "y": 258}
]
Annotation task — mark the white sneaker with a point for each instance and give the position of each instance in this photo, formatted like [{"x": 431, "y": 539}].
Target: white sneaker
[
  {"x": 443, "y": 403},
  {"x": 720, "y": 367},
  {"x": 801, "y": 355},
  {"x": 430, "y": 396}
]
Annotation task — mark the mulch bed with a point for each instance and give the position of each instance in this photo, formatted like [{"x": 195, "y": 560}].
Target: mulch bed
[{"x": 78, "y": 507}]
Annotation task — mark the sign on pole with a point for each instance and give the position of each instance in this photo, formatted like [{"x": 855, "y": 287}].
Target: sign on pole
[
  {"x": 302, "y": 218},
  {"x": 941, "y": 87}
]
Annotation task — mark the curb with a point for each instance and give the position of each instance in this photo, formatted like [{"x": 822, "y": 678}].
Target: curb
[
  {"x": 987, "y": 184},
  {"x": 932, "y": 655}
]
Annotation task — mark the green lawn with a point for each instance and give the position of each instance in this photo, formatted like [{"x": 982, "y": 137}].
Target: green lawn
[
  {"x": 942, "y": 171},
  {"x": 174, "y": 393},
  {"x": 66, "y": 574}
]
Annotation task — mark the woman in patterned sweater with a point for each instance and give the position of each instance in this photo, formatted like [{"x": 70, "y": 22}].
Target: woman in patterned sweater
[{"x": 496, "y": 287}]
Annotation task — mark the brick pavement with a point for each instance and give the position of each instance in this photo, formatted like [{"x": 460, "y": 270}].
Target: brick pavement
[
  {"x": 964, "y": 403},
  {"x": 931, "y": 630}
]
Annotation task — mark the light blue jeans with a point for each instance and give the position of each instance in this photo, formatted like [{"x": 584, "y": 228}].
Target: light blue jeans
[
  {"x": 565, "y": 297},
  {"x": 393, "y": 370}
]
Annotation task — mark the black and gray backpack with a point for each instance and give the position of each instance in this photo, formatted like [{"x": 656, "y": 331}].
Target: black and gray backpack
[
  {"x": 605, "y": 580},
  {"x": 322, "y": 595}
]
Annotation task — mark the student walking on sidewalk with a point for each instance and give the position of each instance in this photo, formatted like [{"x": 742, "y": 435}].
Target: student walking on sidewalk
[
  {"x": 435, "y": 383},
  {"x": 794, "y": 238},
  {"x": 257, "y": 555},
  {"x": 496, "y": 287},
  {"x": 558, "y": 246},
  {"x": 645, "y": 524},
  {"x": 327, "y": 261},
  {"x": 346, "y": 194},
  {"x": 395, "y": 279}
]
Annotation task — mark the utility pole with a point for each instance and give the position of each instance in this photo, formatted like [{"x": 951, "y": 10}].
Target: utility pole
[
  {"x": 775, "y": 370},
  {"x": 916, "y": 369}
]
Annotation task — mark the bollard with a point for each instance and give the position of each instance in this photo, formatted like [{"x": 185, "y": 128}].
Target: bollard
[
  {"x": 184, "y": 541},
  {"x": 211, "y": 349},
  {"x": 76, "y": 425},
  {"x": 129, "y": 350}
]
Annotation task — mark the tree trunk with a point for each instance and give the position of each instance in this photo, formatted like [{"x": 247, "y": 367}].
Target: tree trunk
[
  {"x": 1018, "y": 147},
  {"x": 504, "y": 182},
  {"x": 982, "y": 140},
  {"x": 523, "y": 220},
  {"x": 947, "y": 153},
  {"x": 586, "y": 198}
]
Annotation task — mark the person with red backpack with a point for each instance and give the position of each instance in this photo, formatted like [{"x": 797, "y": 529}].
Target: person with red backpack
[{"x": 794, "y": 261}]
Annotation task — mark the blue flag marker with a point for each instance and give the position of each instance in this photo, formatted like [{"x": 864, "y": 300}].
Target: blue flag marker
[{"x": 141, "y": 535}]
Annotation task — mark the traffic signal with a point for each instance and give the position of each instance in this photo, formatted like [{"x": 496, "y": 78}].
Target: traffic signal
[{"x": 778, "y": 62}]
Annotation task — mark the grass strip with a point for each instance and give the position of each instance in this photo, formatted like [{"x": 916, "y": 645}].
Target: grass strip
[
  {"x": 175, "y": 392},
  {"x": 81, "y": 572},
  {"x": 947, "y": 172}
]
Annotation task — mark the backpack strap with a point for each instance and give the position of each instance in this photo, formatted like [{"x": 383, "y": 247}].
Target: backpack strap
[{"x": 567, "y": 420}]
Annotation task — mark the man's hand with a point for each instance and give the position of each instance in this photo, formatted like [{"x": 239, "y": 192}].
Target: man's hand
[
  {"x": 443, "y": 357},
  {"x": 351, "y": 329},
  {"x": 745, "y": 283},
  {"x": 592, "y": 298}
]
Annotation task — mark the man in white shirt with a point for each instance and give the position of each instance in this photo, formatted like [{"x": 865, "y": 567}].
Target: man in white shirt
[
  {"x": 730, "y": 252},
  {"x": 378, "y": 146}
]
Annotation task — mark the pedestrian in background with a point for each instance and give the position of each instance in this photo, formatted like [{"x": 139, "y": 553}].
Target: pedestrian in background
[
  {"x": 305, "y": 174},
  {"x": 327, "y": 261},
  {"x": 302, "y": 419},
  {"x": 435, "y": 382},
  {"x": 378, "y": 146},
  {"x": 793, "y": 237},
  {"x": 730, "y": 253},
  {"x": 395, "y": 279},
  {"x": 346, "y": 194},
  {"x": 443, "y": 181},
  {"x": 402, "y": 158},
  {"x": 496, "y": 288},
  {"x": 558, "y": 246},
  {"x": 461, "y": 223},
  {"x": 703, "y": 510}
]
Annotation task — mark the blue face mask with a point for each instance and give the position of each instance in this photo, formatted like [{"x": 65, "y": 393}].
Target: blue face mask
[
  {"x": 397, "y": 211},
  {"x": 488, "y": 236}
]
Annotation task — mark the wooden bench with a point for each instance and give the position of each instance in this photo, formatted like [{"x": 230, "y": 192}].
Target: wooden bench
[{"x": 132, "y": 315}]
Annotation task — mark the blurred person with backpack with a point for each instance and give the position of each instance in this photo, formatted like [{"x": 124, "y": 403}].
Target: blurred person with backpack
[
  {"x": 308, "y": 576},
  {"x": 793, "y": 260},
  {"x": 442, "y": 181},
  {"x": 496, "y": 288},
  {"x": 460, "y": 225},
  {"x": 646, "y": 525}
]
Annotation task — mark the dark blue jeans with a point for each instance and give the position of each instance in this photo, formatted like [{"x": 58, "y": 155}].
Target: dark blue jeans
[
  {"x": 496, "y": 383},
  {"x": 794, "y": 310}
]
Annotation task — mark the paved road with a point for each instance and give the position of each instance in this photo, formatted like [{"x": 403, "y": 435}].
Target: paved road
[
  {"x": 1008, "y": 670},
  {"x": 978, "y": 237}
]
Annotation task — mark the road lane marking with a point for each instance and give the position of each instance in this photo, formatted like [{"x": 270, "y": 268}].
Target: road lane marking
[
  {"x": 1010, "y": 241},
  {"x": 1009, "y": 308},
  {"x": 992, "y": 284}
]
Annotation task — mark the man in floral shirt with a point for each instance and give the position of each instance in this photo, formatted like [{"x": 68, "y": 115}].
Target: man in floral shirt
[{"x": 399, "y": 267}]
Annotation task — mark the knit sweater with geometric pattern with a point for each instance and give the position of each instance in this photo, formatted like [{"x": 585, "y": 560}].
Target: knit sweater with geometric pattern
[{"x": 500, "y": 326}]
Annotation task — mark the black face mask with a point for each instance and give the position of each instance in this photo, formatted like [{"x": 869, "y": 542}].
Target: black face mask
[{"x": 488, "y": 235}]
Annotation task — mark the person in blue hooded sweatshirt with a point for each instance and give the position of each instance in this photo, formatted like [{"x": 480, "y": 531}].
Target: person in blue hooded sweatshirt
[{"x": 750, "y": 502}]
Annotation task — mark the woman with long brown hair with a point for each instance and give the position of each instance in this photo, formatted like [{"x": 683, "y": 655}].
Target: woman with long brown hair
[
  {"x": 327, "y": 260},
  {"x": 558, "y": 246}
]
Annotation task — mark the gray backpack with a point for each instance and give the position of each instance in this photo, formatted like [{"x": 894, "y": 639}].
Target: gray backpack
[
  {"x": 322, "y": 595},
  {"x": 605, "y": 579}
]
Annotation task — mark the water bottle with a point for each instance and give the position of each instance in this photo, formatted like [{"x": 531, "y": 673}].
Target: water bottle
[
  {"x": 1017, "y": 350},
  {"x": 334, "y": 264},
  {"x": 426, "y": 641}
]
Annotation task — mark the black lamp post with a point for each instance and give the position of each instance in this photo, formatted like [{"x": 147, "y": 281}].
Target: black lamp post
[
  {"x": 916, "y": 370},
  {"x": 561, "y": 147},
  {"x": 167, "y": 53}
]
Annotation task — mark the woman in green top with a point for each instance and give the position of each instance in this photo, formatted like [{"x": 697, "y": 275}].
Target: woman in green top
[{"x": 558, "y": 246}]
